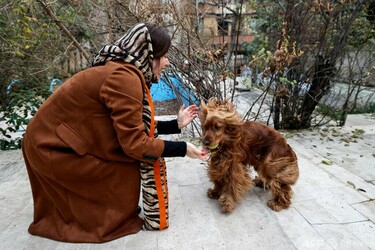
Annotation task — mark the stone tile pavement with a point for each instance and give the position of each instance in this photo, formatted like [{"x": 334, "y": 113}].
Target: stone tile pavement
[{"x": 333, "y": 205}]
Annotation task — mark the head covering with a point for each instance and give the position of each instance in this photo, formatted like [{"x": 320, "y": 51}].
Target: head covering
[{"x": 134, "y": 47}]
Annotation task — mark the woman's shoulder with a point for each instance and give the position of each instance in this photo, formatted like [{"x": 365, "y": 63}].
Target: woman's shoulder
[
  {"x": 111, "y": 69},
  {"x": 120, "y": 65},
  {"x": 123, "y": 78}
]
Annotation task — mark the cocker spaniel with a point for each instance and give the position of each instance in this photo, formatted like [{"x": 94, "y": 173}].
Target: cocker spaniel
[{"x": 235, "y": 146}]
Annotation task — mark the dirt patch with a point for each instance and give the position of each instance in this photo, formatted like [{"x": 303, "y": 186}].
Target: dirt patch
[{"x": 169, "y": 107}]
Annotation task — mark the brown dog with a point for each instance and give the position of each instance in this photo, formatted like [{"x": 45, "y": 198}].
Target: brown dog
[{"x": 236, "y": 145}]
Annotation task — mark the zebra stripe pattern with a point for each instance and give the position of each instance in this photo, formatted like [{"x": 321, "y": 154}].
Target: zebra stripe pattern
[
  {"x": 155, "y": 204},
  {"x": 151, "y": 202},
  {"x": 134, "y": 47}
]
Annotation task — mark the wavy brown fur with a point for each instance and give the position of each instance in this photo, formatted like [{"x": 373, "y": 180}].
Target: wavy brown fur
[{"x": 237, "y": 145}]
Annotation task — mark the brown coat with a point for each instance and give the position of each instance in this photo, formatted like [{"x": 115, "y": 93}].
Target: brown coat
[{"x": 82, "y": 151}]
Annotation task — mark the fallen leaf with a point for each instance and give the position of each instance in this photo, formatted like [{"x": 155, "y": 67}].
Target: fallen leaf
[
  {"x": 327, "y": 162},
  {"x": 351, "y": 184}
]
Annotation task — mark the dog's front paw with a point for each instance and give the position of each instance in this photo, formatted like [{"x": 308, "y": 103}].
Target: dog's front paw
[
  {"x": 213, "y": 194},
  {"x": 276, "y": 206},
  {"x": 227, "y": 203}
]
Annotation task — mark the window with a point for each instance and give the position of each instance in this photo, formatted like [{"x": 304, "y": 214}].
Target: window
[{"x": 223, "y": 26}]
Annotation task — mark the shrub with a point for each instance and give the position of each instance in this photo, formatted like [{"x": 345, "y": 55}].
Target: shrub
[{"x": 21, "y": 103}]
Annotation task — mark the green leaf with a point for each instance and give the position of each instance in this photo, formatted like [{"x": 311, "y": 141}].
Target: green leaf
[{"x": 327, "y": 162}]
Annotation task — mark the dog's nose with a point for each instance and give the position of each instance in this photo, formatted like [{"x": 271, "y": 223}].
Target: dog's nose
[{"x": 206, "y": 142}]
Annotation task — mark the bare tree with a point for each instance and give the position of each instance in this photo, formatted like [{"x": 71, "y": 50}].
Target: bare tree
[
  {"x": 47, "y": 9},
  {"x": 309, "y": 42}
]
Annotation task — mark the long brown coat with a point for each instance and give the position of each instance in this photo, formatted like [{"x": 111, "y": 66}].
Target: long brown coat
[{"x": 82, "y": 151}]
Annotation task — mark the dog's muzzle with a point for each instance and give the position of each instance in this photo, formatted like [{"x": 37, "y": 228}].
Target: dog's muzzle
[{"x": 208, "y": 145}]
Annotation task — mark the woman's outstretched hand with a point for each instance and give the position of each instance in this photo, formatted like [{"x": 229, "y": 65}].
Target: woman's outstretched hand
[
  {"x": 186, "y": 115},
  {"x": 195, "y": 153}
]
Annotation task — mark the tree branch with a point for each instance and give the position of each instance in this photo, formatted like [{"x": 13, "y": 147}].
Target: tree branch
[{"x": 47, "y": 9}]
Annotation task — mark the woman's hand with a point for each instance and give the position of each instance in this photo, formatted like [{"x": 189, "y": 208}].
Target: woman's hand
[
  {"x": 186, "y": 115},
  {"x": 195, "y": 153}
]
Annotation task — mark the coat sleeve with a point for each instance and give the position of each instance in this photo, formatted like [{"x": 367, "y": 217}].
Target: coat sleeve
[
  {"x": 168, "y": 127},
  {"x": 122, "y": 93}
]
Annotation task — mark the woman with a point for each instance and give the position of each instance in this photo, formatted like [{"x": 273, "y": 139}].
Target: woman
[{"x": 87, "y": 143}]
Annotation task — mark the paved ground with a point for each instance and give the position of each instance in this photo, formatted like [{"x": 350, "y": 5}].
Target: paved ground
[{"x": 333, "y": 205}]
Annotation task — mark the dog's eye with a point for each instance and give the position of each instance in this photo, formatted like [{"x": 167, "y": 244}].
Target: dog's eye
[{"x": 216, "y": 127}]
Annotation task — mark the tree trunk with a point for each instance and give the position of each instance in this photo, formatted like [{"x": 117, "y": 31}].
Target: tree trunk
[
  {"x": 320, "y": 86},
  {"x": 276, "y": 108}
]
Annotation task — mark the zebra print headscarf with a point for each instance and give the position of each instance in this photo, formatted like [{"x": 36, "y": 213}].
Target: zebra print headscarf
[{"x": 134, "y": 47}]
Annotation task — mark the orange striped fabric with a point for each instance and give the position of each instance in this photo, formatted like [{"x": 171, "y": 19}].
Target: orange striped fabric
[{"x": 161, "y": 186}]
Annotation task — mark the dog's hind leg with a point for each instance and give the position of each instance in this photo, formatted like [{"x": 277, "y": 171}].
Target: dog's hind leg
[
  {"x": 279, "y": 175},
  {"x": 282, "y": 195}
]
